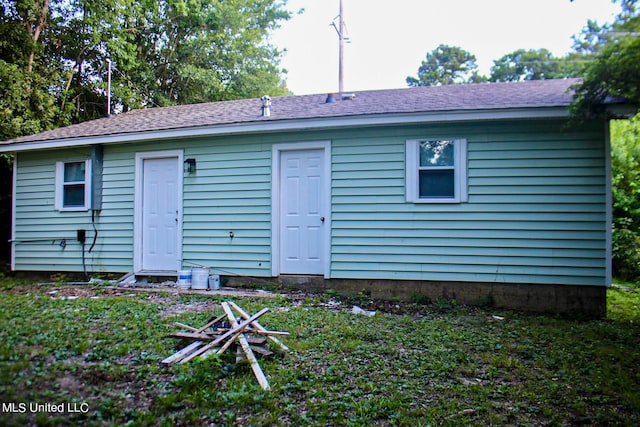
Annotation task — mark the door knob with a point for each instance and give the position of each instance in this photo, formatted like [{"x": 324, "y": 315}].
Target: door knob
[{"x": 322, "y": 219}]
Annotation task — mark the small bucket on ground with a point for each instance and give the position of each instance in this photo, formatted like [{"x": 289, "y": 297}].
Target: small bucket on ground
[
  {"x": 184, "y": 279},
  {"x": 214, "y": 281},
  {"x": 199, "y": 277}
]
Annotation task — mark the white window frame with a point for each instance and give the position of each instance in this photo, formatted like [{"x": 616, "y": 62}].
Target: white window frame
[
  {"x": 412, "y": 168},
  {"x": 59, "y": 196}
]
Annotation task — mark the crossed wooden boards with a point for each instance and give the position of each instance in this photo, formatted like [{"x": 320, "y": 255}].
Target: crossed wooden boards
[{"x": 214, "y": 338}]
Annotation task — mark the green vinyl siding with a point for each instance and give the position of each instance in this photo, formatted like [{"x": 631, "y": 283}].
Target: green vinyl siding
[
  {"x": 536, "y": 211},
  {"x": 37, "y": 219},
  {"x": 45, "y": 238},
  {"x": 230, "y": 192}
]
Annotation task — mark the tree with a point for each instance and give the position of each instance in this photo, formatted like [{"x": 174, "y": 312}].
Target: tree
[
  {"x": 534, "y": 64},
  {"x": 615, "y": 67},
  {"x": 179, "y": 51},
  {"x": 163, "y": 52},
  {"x": 27, "y": 89},
  {"x": 447, "y": 65},
  {"x": 614, "y": 73}
]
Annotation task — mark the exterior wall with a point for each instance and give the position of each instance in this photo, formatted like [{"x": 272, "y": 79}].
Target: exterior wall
[
  {"x": 39, "y": 228},
  {"x": 536, "y": 209},
  {"x": 37, "y": 220},
  {"x": 230, "y": 192},
  {"x": 536, "y": 212}
]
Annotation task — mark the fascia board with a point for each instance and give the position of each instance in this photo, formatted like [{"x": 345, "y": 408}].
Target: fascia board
[{"x": 316, "y": 123}]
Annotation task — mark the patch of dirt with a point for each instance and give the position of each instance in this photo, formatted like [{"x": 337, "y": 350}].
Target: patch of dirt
[
  {"x": 69, "y": 384},
  {"x": 192, "y": 307},
  {"x": 158, "y": 298},
  {"x": 70, "y": 292}
]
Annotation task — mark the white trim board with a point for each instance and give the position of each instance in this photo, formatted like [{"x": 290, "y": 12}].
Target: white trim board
[
  {"x": 608, "y": 207},
  {"x": 13, "y": 213}
]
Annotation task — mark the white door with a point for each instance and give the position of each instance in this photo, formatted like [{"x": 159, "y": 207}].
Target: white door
[
  {"x": 160, "y": 214},
  {"x": 302, "y": 212}
]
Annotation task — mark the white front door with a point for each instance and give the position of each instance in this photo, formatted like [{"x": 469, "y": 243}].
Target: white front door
[
  {"x": 302, "y": 212},
  {"x": 160, "y": 213}
]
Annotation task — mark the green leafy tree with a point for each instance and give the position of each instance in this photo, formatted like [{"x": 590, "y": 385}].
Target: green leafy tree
[
  {"x": 614, "y": 69},
  {"x": 614, "y": 73},
  {"x": 28, "y": 88},
  {"x": 447, "y": 65},
  {"x": 178, "y": 51},
  {"x": 163, "y": 52},
  {"x": 534, "y": 64}
]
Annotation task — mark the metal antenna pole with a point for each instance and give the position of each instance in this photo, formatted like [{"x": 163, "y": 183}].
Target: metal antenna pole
[
  {"x": 341, "y": 30},
  {"x": 341, "y": 52},
  {"x": 108, "y": 88}
]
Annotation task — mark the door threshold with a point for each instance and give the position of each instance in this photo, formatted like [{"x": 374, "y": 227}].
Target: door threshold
[{"x": 156, "y": 273}]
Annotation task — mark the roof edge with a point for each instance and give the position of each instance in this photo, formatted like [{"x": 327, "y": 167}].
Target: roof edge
[{"x": 320, "y": 123}]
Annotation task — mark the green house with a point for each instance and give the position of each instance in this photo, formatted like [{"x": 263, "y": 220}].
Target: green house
[{"x": 471, "y": 192}]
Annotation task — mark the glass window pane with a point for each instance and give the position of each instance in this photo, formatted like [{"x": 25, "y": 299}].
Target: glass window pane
[
  {"x": 74, "y": 172},
  {"x": 436, "y": 153},
  {"x": 437, "y": 183},
  {"x": 73, "y": 196}
]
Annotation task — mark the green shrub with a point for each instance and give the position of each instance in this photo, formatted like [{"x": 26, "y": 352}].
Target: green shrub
[
  {"x": 626, "y": 253},
  {"x": 625, "y": 174}
]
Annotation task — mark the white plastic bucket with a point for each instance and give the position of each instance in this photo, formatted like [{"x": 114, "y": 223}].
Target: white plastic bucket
[
  {"x": 214, "y": 281},
  {"x": 184, "y": 279},
  {"x": 199, "y": 278}
]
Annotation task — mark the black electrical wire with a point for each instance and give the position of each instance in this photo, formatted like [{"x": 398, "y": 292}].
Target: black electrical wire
[{"x": 95, "y": 230}]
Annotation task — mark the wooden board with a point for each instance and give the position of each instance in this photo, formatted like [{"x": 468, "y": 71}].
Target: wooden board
[
  {"x": 233, "y": 331},
  {"x": 255, "y": 366},
  {"x": 257, "y": 325}
]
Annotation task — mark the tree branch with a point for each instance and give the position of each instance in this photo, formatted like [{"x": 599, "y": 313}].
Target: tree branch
[{"x": 37, "y": 30}]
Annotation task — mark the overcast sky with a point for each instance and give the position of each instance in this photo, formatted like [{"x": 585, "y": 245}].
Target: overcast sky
[{"x": 390, "y": 38}]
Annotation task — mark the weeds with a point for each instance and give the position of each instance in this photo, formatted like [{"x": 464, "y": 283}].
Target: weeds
[{"x": 433, "y": 364}]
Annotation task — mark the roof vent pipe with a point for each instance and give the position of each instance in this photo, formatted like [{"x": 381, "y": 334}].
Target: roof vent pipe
[
  {"x": 330, "y": 98},
  {"x": 266, "y": 106}
]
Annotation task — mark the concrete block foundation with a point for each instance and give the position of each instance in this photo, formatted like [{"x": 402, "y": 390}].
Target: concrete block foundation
[{"x": 575, "y": 300}]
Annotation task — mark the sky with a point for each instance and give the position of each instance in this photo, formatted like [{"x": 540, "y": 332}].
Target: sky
[{"x": 390, "y": 38}]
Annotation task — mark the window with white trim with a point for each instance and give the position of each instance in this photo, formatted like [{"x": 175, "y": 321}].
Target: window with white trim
[
  {"x": 73, "y": 183},
  {"x": 436, "y": 170}
]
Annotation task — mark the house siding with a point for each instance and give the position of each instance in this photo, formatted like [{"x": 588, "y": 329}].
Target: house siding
[
  {"x": 536, "y": 209},
  {"x": 39, "y": 228},
  {"x": 535, "y": 214},
  {"x": 230, "y": 192}
]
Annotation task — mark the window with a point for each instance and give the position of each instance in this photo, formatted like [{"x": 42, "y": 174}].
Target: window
[
  {"x": 436, "y": 170},
  {"x": 72, "y": 185}
]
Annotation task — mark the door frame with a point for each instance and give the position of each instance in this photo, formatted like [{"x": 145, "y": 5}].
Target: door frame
[
  {"x": 277, "y": 149},
  {"x": 138, "y": 211}
]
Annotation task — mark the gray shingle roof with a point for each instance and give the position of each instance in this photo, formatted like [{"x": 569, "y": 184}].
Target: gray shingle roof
[{"x": 473, "y": 97}]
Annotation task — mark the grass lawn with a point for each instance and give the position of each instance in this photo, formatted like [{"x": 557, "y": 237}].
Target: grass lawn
[{"x": 409, "y": 365}]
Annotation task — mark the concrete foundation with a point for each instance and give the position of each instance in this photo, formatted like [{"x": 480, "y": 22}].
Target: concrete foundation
[
  {"x": 574, "y": 300},
  {"x": 588, "y": 301}
]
